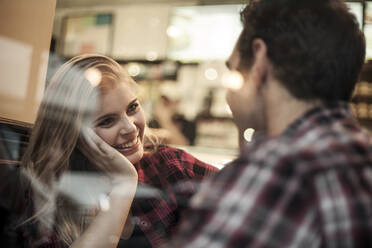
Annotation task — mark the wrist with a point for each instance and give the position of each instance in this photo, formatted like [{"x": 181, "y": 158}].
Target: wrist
[{"x": 124, "y": 186}]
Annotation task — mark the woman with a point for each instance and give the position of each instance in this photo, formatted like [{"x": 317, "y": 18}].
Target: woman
[{"x": 90, "y": 119}]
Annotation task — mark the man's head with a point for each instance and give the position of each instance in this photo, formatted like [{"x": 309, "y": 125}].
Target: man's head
[
  {"x": 315, "y": 46},
  {"x": 313, "y": 49}
]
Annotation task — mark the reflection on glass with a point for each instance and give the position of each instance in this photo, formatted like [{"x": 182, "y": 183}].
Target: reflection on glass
[{"x": 232, "y": 80}]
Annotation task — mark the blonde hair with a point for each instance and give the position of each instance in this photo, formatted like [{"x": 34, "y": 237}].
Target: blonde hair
[{"x": 69, "y": 100}]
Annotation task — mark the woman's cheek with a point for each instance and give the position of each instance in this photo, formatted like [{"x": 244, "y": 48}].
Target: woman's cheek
[{"x": 104, "y": 134}]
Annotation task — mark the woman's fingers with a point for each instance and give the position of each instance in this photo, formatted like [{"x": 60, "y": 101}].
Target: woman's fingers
[
  {"x": 106, "y": 149},
  {"x": 102, "y": 153},
  {"x": 88, "y": 145},
  {"x": 88, "y": 139},
  {"x": 104, "y": 156}
]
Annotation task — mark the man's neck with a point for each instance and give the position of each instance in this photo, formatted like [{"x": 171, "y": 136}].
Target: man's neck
[{"x": 282, "y": 110}]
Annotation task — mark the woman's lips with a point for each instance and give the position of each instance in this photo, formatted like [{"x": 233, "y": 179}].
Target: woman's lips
[{"x": 128, "y": 147}]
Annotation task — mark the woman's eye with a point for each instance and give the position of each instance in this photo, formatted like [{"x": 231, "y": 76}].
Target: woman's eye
[
  {"x": 133, "y": 107},
  {"x": 106, "y": 122}
]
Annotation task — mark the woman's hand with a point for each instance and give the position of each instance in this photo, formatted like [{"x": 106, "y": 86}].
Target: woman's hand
[
  {"x": 106, "y": 227},
  {"x": 105, "y": 157},
  {"x": 121, "y": 171}
]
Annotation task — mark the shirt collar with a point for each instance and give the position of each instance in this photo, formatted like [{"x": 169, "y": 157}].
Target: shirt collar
[{"x": 321, "y": 114}]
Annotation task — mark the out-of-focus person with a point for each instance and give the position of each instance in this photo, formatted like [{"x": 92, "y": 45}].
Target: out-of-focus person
[
  {"x": 168, "y": 122},
  {"x": 306, "y": 178}
]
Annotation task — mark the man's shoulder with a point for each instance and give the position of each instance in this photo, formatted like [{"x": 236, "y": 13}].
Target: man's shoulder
[
  {"x": 275, "y": 162},
  {"x": 319, "y": 148}
]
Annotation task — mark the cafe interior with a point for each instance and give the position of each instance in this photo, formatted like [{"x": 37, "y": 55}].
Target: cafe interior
[{"x": 175, "y": 50}]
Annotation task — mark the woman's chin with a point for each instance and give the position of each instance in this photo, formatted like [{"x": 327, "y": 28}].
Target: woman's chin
[{"x": 135, "y": 155}]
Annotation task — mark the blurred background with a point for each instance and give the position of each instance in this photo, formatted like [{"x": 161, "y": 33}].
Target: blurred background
[{"x": 175, "y": 50}]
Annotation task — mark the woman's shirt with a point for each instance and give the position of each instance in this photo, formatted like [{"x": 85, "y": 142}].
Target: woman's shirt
[{"x": 167, "y": 180}]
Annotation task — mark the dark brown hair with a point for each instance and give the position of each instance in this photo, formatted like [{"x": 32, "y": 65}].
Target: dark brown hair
[{"x": 316, "y": 46}]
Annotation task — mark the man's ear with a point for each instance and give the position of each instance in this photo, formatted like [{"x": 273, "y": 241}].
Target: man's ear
[{"x": 260, "y": 67}]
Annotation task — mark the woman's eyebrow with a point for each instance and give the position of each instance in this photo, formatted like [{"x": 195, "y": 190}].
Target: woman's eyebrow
[{"x": 103, "y": 117}]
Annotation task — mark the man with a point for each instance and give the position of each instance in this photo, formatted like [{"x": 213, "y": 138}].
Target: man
[{"x": 307, "y": 181}]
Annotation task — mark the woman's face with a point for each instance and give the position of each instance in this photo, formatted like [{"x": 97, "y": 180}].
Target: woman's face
[{"x": 120, "y": 122}]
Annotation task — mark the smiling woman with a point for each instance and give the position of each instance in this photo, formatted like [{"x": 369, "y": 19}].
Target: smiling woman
[
  {"x": 120, "y": 122},
  {"x": 90, "y": 122}
]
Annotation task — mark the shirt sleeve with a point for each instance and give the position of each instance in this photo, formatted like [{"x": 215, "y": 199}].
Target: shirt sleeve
[{"x": 250, "y": 206}]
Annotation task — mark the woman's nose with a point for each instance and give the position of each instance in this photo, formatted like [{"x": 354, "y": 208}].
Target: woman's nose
[{"x": 127, "y": 126}]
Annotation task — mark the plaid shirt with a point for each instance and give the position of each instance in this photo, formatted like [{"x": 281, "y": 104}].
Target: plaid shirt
[
  {"x": 167, "y": 180},
  {"x": 309, "y": 187}
]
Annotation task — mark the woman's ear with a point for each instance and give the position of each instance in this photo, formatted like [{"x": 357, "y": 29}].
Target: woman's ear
[{"x": 260, "y": 67}]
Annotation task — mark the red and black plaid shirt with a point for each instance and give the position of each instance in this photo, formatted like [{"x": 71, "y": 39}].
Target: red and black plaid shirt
[
  {"x": 309, "y": 187},
  {"x": 167, "y": 180}
]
